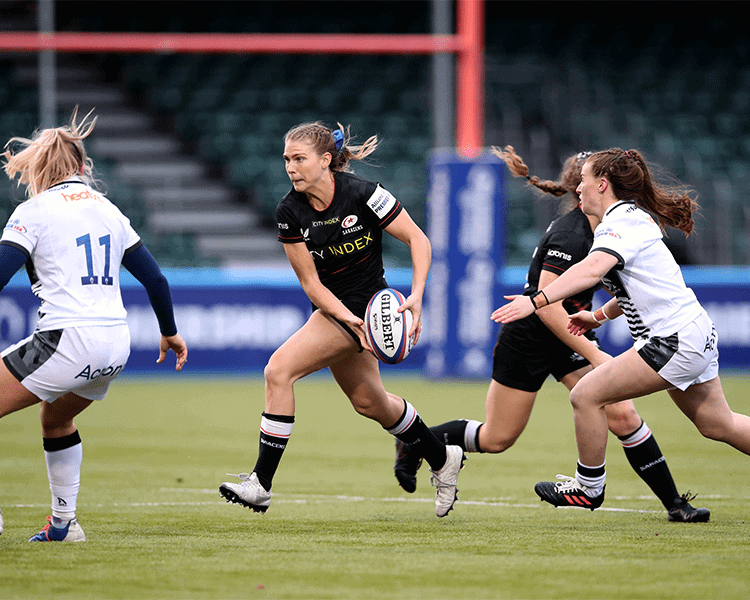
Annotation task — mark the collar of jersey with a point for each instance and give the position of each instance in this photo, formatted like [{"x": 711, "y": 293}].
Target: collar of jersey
[
  {"x": 74, "y": 179},
  {"x": 616, "y": 204}
]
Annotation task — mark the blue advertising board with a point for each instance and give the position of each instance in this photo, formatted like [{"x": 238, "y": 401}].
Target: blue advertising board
[
  {"x": 465, "y": 223},
  {"x": 234, "y": 320}
]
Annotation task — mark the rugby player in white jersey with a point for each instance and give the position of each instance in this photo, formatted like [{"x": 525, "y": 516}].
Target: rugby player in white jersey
[
  {"x": 72, "y": 240},
  {"x": 675, "y": 343},
  {"x": 529, "y": 350}
]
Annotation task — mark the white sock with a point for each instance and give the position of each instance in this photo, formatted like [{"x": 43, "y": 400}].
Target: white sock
[
  {"x": 64, "y": 473},
  {"x": 470, "y": 435},
  {"x": 593, "y": 482}
]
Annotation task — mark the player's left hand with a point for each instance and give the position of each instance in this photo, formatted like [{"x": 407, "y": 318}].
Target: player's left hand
[
  {"x": 177, "y": 345},
  {"x": 581, "y": 322},
  {"x": 414, "y": 304},
  {"x": 519, "y": 307}
]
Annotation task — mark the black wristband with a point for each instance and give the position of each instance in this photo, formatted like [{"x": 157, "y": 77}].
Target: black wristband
[
  {"x": 534, "y": 295},
  {"x": 533, "y": 302}
]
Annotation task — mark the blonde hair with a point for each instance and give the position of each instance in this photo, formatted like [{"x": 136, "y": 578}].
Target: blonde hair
[
  {"x": 51, "y": 156},
  {"x": 323, "y": 140}
]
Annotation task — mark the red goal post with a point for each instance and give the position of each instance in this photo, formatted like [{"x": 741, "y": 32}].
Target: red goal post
[{"x": 467, "y": 44}]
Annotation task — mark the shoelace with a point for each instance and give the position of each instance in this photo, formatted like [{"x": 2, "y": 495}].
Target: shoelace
[
  {"x": 569, "y": 484},
  {"x": 436, "y": 482},
  {"x": 687, "y": 497},
  {"x": 45, "y": 529},
  {"x": 242, "y": 476}
]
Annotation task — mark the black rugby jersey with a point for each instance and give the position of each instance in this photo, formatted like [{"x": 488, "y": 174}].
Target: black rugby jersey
[
  {"x": 566, "y": 242},
  {"x": 345, "y": 239}
]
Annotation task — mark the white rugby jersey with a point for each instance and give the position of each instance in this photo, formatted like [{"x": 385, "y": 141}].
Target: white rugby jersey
[
  {"x": 646, "y": 281},
  {"x": 75, "y": 240}
]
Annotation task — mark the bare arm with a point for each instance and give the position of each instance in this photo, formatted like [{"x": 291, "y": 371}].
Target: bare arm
[
  {"x": 403, "y": 228},
  {"x": 581, "y": 322},
  {"x": 304, "y": 267},
  {"x": 577, "y": 278},
  {"x": 555, "y": 317}
]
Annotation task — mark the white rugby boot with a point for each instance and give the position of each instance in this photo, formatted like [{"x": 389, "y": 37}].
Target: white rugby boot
[
  {"x": 249, "y": 492},
  {"x": 446, "y": 478}
]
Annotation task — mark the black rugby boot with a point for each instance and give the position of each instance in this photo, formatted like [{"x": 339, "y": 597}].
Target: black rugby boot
[
  {"x": 568, "y": 492},
  {"x": 406, "y": 466},
  {"x": 682, "y": 512}
]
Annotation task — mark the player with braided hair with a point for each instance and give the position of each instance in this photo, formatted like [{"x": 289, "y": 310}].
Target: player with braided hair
[
  {"x": 675, "y": 343},
  {"x": 530, "y": 350},
  {"x": 331, "y": 224}
]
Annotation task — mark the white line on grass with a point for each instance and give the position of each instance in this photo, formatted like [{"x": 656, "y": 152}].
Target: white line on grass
[{"x": 320, "y": 498}]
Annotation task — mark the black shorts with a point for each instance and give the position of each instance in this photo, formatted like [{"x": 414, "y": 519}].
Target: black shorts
[
  {"x": 357, "y": 304},
  {"x": 527, "y": 352}
]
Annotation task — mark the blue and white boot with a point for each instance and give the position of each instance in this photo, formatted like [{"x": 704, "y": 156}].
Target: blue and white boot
[{"x": 70, "y": 532}]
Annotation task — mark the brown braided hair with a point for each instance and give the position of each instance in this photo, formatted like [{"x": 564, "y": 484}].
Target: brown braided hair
[
  {"x": 630, "y": 178},
  {"x": 567, "y": 182},
  {"x": 321, "y": 138}
]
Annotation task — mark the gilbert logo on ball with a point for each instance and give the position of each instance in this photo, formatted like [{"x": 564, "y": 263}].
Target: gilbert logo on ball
[{"x": 387, "y": 329}]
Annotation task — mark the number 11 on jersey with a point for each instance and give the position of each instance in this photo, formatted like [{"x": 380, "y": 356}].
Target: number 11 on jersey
[{"x": 90, "y": 278}]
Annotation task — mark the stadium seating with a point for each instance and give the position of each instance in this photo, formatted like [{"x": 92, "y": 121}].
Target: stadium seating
[{"x": 229, "y": 112}]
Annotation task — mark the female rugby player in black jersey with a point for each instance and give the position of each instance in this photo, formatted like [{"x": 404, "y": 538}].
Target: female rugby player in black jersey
[
  {"x": 529, "y": 350},
  {"x": 331, "y": 225}
]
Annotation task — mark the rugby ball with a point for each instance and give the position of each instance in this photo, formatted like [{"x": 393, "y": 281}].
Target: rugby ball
[{"x": 387, "y": 329}]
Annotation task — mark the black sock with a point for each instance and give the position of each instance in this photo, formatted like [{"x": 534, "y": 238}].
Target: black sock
[
  {"x": 411, "y": 430},
  {"x": 274, "y": 435},
  {"x": 461, "y": 432},
  {"x": 648, "y": 462}
]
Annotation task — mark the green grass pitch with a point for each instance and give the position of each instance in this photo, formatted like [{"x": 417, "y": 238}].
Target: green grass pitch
[{"x": 339, "y": 527}]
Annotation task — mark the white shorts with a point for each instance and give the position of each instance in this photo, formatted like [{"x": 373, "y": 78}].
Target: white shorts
[
  {"x": 686, "y": 358},
  {"x": 83, "y": 360}
]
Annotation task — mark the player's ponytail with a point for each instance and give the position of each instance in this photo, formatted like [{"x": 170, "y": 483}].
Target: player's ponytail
[
  {"x": 570, "y": 176},
  {"x": 51, "y": 156},
  {"x": 631, "y": 179}
]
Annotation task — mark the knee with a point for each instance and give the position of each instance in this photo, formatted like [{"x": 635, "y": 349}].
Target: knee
[
  {"x": 493, "y": 441},
  {"x": 496, "y": 444},
  {"x": 275, "y": 374},
  {"x": 713, "y": 428},
  {"x": 364, "y": 406},
  {"x": 580, "y": 397},
  {"x": 53, "y": 426},
  {"x": 622, "y": 418}
]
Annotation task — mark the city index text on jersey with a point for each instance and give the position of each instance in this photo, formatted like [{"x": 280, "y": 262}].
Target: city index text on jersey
[{"x": 348, "y": 247}]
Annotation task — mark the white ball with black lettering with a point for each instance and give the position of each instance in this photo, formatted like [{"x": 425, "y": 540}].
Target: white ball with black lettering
[{"x": 387, "y": 329}]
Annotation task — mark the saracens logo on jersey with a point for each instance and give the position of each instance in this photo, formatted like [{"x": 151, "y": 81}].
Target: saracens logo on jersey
[{"x": 349, "y": 224}]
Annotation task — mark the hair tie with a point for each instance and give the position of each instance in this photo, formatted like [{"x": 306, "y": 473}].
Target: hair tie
[
  {"x": 338, "y": 139},
  {"x": 627, "y": 153}
]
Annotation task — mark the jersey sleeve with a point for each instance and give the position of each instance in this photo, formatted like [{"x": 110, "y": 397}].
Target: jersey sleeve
[
  {"x": 385, "y": 206},
  {"x": 562, "y": 250},
  {"x": 130, "y": 238},
  {"x": 290, "y": 231},
  {"x": 625, "y": 235},
  {"x": 23, "y": 229}
]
